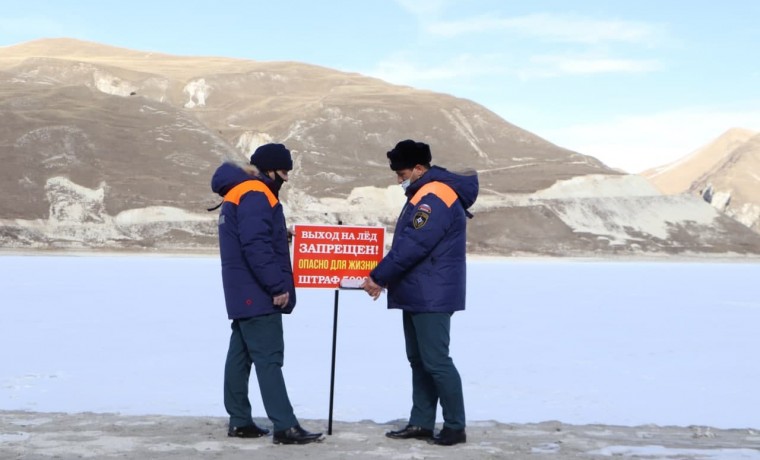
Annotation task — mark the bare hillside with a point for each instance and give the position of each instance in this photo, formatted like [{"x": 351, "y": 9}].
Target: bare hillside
[
  {"x": 725, "y": 173},
  {"x": 678, "y": 176},
  {"x": 106, "y": 147}
]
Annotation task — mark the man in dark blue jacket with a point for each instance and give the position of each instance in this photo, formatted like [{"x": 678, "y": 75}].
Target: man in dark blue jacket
[
  {"x": 425, "y": 273},
  {"x": 258, "y": 288}
]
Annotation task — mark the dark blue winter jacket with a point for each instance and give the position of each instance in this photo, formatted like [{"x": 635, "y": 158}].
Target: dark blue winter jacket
[
  {"x": 253, "y": 244},
  {"x": 424, "y": 270}
]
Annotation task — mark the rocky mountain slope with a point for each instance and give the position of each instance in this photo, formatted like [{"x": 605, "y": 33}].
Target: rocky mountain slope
[
  {"x": 105, "y": 147},
  {"x": 725, "y": 173}
]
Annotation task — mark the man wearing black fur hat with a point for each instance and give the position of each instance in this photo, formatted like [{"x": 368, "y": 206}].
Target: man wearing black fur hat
[
  {"x": 258, "y": 289},
  {"x": 424, "y": 272}
]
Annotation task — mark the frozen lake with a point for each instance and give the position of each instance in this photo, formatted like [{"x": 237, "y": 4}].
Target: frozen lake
[{"x": 624, "y": 343}]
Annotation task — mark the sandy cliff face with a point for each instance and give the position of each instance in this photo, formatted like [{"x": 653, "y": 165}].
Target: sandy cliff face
[
  {"x": 107, "y": 147},
  {"x": 725, "y": 173},
  {"x": 678, "y": 176}
]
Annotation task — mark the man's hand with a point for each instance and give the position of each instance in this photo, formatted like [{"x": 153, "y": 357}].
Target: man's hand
[
  {"x": 373, "y": 289},
  {"x": 281, "y": 300}
]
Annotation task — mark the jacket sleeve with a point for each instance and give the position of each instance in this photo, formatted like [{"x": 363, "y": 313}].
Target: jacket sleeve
[
  {"x": 419, "y": 235},
  {"x": 255, "y": 216}
]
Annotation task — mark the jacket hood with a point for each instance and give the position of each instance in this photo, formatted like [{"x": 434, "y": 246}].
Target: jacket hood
[
  {"x": 465, "y": 184},
  {"x": 227, "y": 176}
]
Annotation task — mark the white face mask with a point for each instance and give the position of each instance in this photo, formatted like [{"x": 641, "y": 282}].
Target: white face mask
[{"x": 407, "y": 182}]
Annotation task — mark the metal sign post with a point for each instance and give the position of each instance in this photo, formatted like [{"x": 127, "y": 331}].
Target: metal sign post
[
  {"x": 336, "y": 257},
  {"x": 332, "y": 366}
]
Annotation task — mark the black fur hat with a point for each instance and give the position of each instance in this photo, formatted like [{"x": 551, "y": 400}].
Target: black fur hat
[
  {"x": 408, "y": 154},
  {"x": 272, "y": 157}
]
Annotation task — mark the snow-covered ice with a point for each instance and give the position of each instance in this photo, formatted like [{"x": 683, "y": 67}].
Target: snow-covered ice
[{"x": 620, "y": 343}]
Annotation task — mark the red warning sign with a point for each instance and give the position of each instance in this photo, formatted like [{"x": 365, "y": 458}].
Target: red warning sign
[{"x": 323, "y": 255}]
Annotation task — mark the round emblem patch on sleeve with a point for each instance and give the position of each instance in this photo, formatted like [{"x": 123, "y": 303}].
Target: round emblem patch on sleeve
[{"x": 420, "y": 219}]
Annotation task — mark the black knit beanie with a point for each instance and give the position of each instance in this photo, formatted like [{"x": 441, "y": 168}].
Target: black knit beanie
[
  {"x": 272, "y": 157},
  {"x": 408, "y": 154}
]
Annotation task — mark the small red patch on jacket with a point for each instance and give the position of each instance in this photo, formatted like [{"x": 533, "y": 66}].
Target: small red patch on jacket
[{"x": 248, "y": 302}]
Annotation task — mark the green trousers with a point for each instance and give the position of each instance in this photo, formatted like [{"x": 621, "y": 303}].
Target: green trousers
[
  {"x": 257, "y": 341},
  {"x": 434, "y": 377}
]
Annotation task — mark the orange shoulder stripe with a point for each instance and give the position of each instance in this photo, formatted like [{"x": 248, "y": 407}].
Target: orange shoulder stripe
[
  {"x": 439, "y": 189},
  {"x": 241, "y": 189}
]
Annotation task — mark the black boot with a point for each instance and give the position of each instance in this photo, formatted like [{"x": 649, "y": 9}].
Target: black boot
[
  {"x": 296, "y": 435},
  {"x": 249, "y": 431},
  {"x": 411, "y": 432},
  {"x": 449, "y": 437}
]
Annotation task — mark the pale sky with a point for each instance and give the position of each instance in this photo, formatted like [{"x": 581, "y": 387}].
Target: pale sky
[{"x": 634, "y": 83}]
